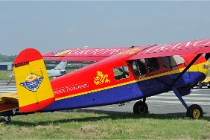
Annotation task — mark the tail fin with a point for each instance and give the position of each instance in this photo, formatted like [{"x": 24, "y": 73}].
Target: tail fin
[
  {"x": 61, "y": 66},
  {"x": 32, "y": 82}
]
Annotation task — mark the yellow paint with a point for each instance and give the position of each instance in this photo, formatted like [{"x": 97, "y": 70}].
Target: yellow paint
[
  {"x": 206, "y": 80},
  {"x": 64, "y": 52},
  {"x": 101, "y": 78},
  {"x": 44, "y": 91},
  {"x": 130, "y": 51}
]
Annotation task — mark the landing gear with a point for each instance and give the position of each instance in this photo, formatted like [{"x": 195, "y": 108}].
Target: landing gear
[
  {"x": 140, "y": 107},
  {"x": 194, "y": 111}
]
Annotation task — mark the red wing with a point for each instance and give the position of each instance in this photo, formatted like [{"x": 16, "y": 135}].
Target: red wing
[
  {"x": 82, "y": 54},
  {"x": 183, "y": 48}
]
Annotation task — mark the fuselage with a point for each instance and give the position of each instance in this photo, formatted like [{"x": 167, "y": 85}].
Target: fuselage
[{"x": 117, "y": 79}]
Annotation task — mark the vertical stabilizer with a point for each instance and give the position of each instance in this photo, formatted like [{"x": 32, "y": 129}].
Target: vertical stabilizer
[
  {"x": 61, "y": 66},
  {"x": 32, "y": 82}
]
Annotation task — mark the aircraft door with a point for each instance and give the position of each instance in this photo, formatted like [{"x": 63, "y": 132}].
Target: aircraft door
[{"x": 145, "y": 70}]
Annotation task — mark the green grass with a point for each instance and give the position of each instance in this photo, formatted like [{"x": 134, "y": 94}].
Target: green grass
[
  {"x": 104, "y": 125},
  {"x": 4, "y": 74}
]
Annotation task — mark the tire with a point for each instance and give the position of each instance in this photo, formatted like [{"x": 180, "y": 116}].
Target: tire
[
  {"x": 194, "y": 111},
  {"x": 140, "y": 108}
]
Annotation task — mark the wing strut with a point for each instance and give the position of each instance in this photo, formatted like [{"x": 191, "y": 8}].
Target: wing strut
[{"x": 188, "y": 66}]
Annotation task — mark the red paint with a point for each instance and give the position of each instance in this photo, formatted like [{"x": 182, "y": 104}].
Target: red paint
[{"x": 37, "y": 106}]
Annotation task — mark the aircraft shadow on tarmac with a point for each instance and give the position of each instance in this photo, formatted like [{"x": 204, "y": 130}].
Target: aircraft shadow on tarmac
[{"x": 109, "y": 115}]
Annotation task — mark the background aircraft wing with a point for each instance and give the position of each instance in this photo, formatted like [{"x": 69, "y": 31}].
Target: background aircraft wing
[
  {"x": 82, "y": 54},
  {"x": 182, "y": 48}
]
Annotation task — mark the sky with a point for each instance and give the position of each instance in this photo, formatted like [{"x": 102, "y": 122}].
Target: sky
[{"x": 51, "y": 25}]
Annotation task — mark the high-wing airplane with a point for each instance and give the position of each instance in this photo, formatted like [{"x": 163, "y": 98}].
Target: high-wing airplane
[
  {"x": 131, "y": 74},
  {"x": 59, "y": 70}
]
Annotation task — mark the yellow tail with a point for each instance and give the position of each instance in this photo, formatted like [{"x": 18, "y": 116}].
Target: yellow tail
[{"x": 32, "y": 82}]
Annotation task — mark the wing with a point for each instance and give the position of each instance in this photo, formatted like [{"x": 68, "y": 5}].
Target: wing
[
  {"x": 8, "y": 101},
  {"x": 82, "y": 54},
  {"x": 182, "y": 48}
]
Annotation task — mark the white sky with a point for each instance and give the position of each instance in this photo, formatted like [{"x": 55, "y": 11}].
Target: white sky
[{"x": 51, "y": 25}]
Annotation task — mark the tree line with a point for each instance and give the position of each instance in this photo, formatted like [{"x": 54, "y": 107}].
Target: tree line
[{"x": 5, "y": 58}]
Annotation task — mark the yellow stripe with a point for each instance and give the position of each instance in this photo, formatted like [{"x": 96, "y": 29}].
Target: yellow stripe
[
  {"x": 193, "y": 68},
  {"x": 64, "y": 52}
]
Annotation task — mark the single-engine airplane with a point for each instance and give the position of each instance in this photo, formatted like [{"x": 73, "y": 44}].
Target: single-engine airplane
[{"x": 131, "y": 74}]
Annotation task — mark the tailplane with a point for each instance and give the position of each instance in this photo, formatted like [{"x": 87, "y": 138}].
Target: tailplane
[{"x": 32, "y": 82}]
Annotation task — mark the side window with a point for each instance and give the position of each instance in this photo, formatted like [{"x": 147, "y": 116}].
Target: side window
[
  {"x": 121, "y": 72},
  {"x": 166, "y": 62},
  {"x": 176, "y": 60},
  {"x": 152, "y": 64},
  {"x": 139, "y": 67},
  {"x": 172, "y": 61}
]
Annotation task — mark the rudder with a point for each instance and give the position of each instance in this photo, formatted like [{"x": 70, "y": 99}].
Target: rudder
[{"x": 32, "y": 82}]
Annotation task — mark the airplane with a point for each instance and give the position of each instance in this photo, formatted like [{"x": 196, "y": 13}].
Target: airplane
[
  {"x": 59, "y": 70},
  {"x": 135, "y": 73}
]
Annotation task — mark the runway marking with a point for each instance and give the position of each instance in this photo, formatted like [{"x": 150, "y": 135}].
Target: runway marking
[
  {"x": 178, "y": 102},
  {"x": 186, "y": 98}
]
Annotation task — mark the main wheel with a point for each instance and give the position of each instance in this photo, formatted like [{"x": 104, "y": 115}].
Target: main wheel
[
  {"x": 140, "y": 108},
  {"x": 194, "y": 111}
]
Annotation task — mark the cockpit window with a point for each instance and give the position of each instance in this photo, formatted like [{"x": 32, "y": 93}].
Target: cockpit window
[
  {"x": 152, "y": 64},
  {"x": 139, "y": 67},
  {"x": 121, "y": 72},
  {"x": 144, "y": 66},
  {"x": 171, "y": 61},
  {"x": 176, "y": 60},
  {"x": 166, "y": 62}
]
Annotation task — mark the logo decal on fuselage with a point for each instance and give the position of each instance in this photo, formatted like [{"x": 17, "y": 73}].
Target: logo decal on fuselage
[
  {"x": 101, "y": 78},
  {"x": 205, "y": 66},
  {"x": 32, "y": 82}
]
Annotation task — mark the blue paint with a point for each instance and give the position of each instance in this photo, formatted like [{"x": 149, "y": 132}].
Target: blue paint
[{"x": 127, "y": 92}]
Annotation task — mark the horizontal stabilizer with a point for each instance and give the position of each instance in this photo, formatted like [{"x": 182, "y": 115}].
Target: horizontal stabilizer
[{"x": 8, "y": 101}]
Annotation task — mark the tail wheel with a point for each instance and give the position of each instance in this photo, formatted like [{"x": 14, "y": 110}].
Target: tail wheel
[
  {"x": 140, "y": 108},
  {"x": 195, "y": 111}
]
